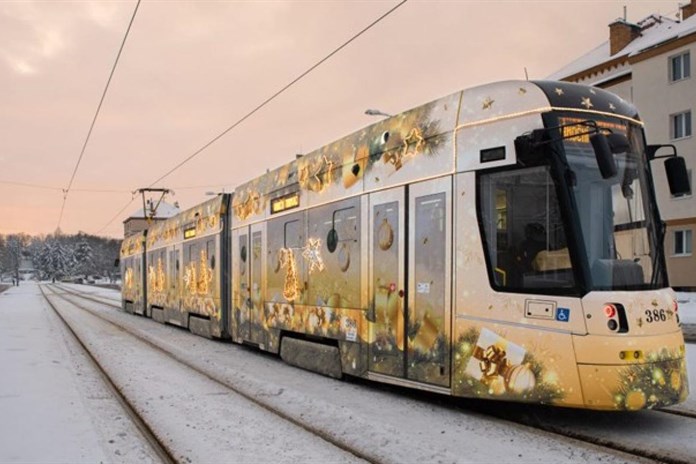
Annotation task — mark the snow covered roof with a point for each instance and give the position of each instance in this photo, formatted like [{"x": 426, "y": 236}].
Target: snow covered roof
[
  {"x": 655, "y": 30},
  {"x": 164, "y": 211}
]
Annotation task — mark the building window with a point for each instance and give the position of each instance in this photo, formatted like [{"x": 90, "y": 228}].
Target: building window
[
  {"x": 682, "y": 242},
  {"x": 680, "y": 67},
  {"x": 681, "y": 125}
]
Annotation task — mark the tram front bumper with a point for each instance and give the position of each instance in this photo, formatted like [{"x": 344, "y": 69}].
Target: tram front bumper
[{"x": 631, "y": 373}]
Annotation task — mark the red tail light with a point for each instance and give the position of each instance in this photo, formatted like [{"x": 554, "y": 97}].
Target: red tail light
[{"x": 610, "y": 311}]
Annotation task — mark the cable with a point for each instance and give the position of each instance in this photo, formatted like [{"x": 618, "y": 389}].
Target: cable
[
  {"x": 66, "y": 191},
  {"x": 23, "y": 184},
  {"x": 267, "y": 101},
  {"x": 115, "y": 216},
  {"x": 48, "y": 187},
  {"x": 272, "y": 97}
]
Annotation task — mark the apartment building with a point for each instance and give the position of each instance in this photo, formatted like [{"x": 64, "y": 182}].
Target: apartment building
[{"x": 649, "y": 64}]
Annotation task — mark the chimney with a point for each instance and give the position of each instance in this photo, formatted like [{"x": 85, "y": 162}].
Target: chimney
[
  {"x": 621, "y": 33},
  {"x": 688, "y": 10}
]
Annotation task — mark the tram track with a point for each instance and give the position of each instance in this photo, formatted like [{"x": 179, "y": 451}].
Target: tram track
[
  {"x": 146, "y": 432},
  {"x": 258, "y": 401}
]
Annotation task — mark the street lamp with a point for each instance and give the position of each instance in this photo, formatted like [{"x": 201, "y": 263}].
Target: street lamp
[{"x": 377, "y": 113}]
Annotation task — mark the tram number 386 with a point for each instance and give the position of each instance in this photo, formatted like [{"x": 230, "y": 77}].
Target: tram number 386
[{"x": 655, "y": 315}]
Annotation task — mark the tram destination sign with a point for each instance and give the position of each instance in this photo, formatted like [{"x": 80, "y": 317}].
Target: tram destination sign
[
  {"x": 285, "y": 203},
  {"x": 575, "y": 132}
]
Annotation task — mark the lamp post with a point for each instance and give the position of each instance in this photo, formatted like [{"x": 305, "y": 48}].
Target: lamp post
[{"x": 372, "y": 112}]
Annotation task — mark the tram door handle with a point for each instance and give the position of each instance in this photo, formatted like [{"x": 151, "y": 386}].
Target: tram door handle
[{"x": 370, "y": 314}]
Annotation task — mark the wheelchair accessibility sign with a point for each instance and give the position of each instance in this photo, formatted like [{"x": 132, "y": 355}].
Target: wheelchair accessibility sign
[{"x": 563, "y": 314}]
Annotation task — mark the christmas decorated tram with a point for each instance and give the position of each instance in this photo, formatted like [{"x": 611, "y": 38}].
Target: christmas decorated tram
[{"x": 502, "y": 242}]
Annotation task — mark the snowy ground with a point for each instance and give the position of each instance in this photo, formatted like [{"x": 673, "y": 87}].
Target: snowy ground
[
  {"x": 687, "y": 307},
  {"x": 53, "y": 405},
  {"x": 49, "y": 409}
]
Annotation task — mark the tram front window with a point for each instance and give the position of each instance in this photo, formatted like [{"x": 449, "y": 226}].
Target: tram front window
[
  {"x": 523, "y": 230},
  {"x": 618, "y": 228}
]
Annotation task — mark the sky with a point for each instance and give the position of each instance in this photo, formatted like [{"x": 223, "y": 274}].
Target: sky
[{"x": 188, "y": 71}]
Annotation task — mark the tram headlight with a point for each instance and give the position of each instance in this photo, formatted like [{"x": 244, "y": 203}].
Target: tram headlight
[{"x": 612, "y": 324}]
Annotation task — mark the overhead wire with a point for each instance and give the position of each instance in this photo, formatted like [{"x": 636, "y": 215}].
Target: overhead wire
[
  {"x": 50, "y": 187},
  {"x": 275, "y": 95},
  {"x": 260, "y": 106},
  {"x": 66, "y": 191}
]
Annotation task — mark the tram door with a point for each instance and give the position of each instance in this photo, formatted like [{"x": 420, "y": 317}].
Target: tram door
[
  {"x": 429, "y": 274},
  {"x": 174, "y": 277},
  {"x": 255, "y": 304},
  {"x": 387, "y": 293}
]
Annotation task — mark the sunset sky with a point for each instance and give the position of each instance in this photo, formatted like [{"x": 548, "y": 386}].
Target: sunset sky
[{"x": 189, "y": 70}]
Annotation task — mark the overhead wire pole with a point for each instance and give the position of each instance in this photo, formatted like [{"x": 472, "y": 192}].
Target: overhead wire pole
[
  {"x": 264, "y": 103},
  {"x": 66, "y": 191}
]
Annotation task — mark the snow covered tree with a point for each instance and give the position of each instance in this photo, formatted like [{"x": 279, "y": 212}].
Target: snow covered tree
[
  {"x": 83, "y": 257},
  {"x": 55, "y": 260}
]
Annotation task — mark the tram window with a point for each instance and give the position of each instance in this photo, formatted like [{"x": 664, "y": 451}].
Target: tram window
[
  {"x": 523, "y": 230},
  {"x": 210, "y": 253},
  {"x": 172, "y": 268}
]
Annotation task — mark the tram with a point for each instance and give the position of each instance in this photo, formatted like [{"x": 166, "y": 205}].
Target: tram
[{"x": 502, "y": 242}]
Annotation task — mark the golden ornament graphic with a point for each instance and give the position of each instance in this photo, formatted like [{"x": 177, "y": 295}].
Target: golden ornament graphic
[
  {"x": 428, "y": 331},
  {"x": 310, "y": 175},
  {"x": 559, "y": 91},
  {"x": 635, "y": 399},
  {"x": 498, "y": 364},
  {"x": 488, "y": 103},
  {"x": 197, "y": 278},
  {"x": 248, "y": 206},
  {"x": 354, "y": 165},
  {"x": 312, "y": 254},
  {"x": 156, "y": 276},
  {"x": 291, "y": 288},
  {"x": 128, "y": 278},
  {"x": 385, "y": 235}
]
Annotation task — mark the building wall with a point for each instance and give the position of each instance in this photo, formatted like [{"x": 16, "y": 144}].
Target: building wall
[
  {"x": 623, "y": 89},
  {"x": 657, "y": 99},
  {"x": 681, "y": 269}
]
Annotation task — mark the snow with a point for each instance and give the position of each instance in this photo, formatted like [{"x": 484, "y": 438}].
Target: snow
[
  {"x": 53, "y": 405},
  {"x": 205, "y": 422},
  {"x": 164, "y": 211},
  {"x": 661, "y": 29},
  {"x": 687, "y": 308}
]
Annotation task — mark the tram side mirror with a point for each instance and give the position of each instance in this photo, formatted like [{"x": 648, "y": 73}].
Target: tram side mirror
[
  {"x": 677, "y": 176},
  {"x": 604, "y": 155},
  {"x": 117, "y": 262}
]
